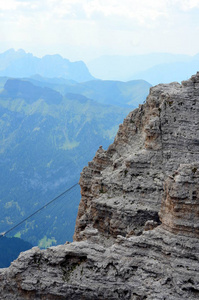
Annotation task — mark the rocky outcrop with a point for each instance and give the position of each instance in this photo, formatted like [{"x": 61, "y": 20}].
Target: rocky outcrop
[
  {"x": 136, "y": 234},
  {"x": 123, "y": 186},
  {"x": 156, "y": 265}
]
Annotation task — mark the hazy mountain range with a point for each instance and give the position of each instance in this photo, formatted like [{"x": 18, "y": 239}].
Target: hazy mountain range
[
  {"x": 110, "y": 92},
  {"x": 21, "y": 64},
  {"x": 155, "y": 68}
]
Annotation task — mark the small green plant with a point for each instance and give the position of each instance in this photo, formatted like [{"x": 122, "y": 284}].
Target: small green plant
[
  {"x": 125, "y": 173},
  {"x": 194, "y": 170},
  {"x": 102, "y": 191}
]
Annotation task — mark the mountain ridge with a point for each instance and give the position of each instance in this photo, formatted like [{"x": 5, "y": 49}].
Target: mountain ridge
[
  {"x": 117, "y": 93},
  {"x": 21, "y": 64},
  {"x": 150, "y": 67}
]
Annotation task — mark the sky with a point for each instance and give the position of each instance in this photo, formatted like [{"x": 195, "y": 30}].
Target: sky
[{"x": 86, "y": 29}]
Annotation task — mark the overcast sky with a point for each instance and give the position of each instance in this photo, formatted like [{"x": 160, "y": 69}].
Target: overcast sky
[{"x": 85, "y": 29}]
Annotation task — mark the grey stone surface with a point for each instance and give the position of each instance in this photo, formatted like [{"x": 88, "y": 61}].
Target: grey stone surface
[
  {"x": 122, "y": 187},
  {"x": 155, "y": 265}
]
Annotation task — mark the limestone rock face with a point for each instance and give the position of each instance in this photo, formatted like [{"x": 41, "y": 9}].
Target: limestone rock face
[
  {"x": 155, "y": 265},
  {"x": 180, "y": 205},
  {"x": 123, "y": 186},
  {"x": 137, "y": 228}
]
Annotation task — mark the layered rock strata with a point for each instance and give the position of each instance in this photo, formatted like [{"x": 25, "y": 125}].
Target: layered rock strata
[
  {"x": 180, "y": 206},
  {"x": 156, "y": 265},
  {"x": 124, "y": 248},
  {"x": 123, "y": 186}
]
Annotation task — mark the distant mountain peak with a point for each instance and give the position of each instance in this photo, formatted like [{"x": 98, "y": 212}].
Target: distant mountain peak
[
  {"x": 21, "y": 51},
  {"x": 56, "y": 57},
  {"x": 21, "y": 64}
]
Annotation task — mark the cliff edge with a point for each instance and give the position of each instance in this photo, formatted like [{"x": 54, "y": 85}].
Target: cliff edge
[{"x": 137, "y": 228}]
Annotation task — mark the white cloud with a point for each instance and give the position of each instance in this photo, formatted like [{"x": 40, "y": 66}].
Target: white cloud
[
  {"x": 109, "y": 26},
  {"x": 138, "y": 9},
  {"x": 187, "y": 5},
  {"x": 11, "y": 5}
]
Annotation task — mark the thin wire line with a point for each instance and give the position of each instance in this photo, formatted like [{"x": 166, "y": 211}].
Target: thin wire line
[
  {"x": 38, "y": 210},
  {"x": 70, "y": 162},
  {"x": 47, "y": 204}
]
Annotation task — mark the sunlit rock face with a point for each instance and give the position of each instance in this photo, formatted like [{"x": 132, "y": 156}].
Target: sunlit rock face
[
  {"x": 136, "y": 233},
  {"x": 180, "y": 205}
]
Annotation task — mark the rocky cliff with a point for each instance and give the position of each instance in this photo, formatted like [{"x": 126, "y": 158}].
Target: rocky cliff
[
  {"x": 123, "y": 186},
  {"x": 137, "y": 228}
]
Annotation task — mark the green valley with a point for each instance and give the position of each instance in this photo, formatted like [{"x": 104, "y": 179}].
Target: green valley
[{"x": 46, "y": 140}]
